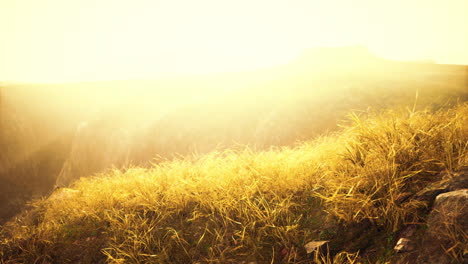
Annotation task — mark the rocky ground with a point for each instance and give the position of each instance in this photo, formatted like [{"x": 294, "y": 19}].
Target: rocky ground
[{"x": 444, "y": 236}]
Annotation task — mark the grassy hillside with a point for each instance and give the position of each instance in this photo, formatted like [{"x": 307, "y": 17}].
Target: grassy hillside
[
  {"x": 271, "y": 107},
  {"x": 241, "y": 206}
]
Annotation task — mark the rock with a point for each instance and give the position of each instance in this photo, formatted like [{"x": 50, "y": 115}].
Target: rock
[
  {"x": 451, "y": 198},
  {"x": 451, "y": 182},
  {"x": 408, "y": 231},
  {"x": 404, "y": 245},
  {"x": 314, "y": 245},
  {"x": 445, "y": 239}
]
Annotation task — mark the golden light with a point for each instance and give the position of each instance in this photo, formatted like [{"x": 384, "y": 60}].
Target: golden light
[{"x": 69, "y": 41}]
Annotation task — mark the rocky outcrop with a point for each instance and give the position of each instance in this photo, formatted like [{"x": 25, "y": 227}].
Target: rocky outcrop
[{"x": 444, "y": 238}]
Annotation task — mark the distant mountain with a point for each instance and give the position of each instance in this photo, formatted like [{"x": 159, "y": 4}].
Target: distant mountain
[
  {"x": 341, "y": 53},
  {"x": 336, "y": 56}
]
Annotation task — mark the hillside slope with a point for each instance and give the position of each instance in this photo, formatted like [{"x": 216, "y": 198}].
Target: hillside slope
[{"x": 246, "y": 206}]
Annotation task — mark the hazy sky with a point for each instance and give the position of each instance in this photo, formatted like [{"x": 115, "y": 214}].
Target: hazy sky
[{"x": 74, "y": 40}]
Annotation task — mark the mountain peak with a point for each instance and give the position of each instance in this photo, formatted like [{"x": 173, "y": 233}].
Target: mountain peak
[{"x": 336, "y": 55}]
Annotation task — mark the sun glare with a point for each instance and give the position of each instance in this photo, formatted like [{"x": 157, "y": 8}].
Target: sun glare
[{"x": 69, "y": 41}]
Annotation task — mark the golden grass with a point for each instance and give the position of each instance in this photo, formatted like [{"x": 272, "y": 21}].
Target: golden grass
[{"x": 245, "y": 205}]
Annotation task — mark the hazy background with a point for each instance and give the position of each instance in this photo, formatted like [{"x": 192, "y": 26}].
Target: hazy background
[
  {"x": 67, "y": 40},
  {"x": 198, "y": 76}
]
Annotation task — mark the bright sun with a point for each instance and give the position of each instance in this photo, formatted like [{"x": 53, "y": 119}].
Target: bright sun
[{"x": 66, "y": 41}]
